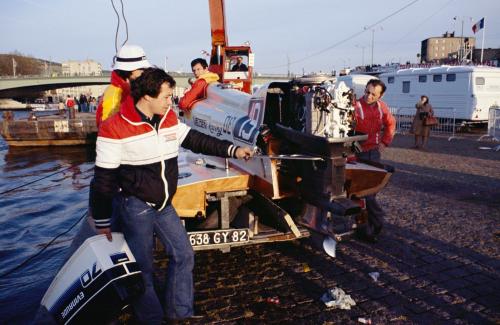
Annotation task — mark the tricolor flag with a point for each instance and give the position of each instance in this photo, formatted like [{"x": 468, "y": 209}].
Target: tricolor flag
[{"x": 479, "y": 25}]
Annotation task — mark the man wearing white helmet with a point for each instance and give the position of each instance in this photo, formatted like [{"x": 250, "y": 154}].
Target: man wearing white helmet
[{"x": 129, "y": 64}]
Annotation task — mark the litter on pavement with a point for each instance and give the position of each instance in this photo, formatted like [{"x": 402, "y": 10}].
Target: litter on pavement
[{"x": 337, "y": 298}]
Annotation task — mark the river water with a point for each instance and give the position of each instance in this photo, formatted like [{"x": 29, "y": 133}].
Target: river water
[{"x": 43, "y": 192}]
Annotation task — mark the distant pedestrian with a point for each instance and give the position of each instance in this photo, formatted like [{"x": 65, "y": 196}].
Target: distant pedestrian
[
  {"x": 92, "y": 104},
  {"x": 61, "y": 107},
  {"x": 418, "y": 127},
  {"x": 78, "y": 107},
  {"x": 70, "y": 102},
  {"x": 83, "y": 103}
]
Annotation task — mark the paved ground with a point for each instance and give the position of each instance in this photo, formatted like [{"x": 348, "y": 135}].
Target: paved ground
[{"x": 438, "y": 256}]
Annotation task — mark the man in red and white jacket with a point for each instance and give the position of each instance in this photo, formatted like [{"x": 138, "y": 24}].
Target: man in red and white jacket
[
  {"x": 137, "y": 152},
  {"x": 374, "y": 119}
]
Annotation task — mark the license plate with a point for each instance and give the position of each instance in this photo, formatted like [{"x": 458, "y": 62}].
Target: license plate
[{"x": 217, "y": 237}]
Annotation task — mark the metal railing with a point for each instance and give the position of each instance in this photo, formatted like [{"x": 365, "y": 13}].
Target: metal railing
[
  {"x": 493, "y": 126},
  {"x": 445, "y": 115}
]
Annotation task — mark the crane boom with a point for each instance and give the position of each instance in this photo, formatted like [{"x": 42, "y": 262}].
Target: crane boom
[
  {"x": 224, "y": 57},
  {"x": 217, "y": 23}
]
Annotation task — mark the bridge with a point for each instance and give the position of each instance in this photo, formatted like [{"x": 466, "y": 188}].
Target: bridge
[{"x": 19, "y": 87}]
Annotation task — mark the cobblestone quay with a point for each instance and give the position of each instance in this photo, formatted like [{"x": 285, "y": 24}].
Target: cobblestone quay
[{"x": 438, "y": 255}]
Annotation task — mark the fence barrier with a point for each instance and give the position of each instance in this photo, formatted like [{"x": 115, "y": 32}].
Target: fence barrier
[
  {"x": 445, "y": 115},
  {"x": 493, "y": 126}
]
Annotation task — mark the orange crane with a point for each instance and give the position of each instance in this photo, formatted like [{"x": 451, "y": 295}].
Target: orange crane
[{"x": 233, "y": 64}]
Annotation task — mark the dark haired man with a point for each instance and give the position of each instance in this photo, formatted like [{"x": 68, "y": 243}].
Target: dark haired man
[
  {"x": 198, "y": 89},
  {"x": 129, "y": 63},
  {"x": 137, "y": 151},
  {"x": 374, "y": 119},
  {"x": 239, "y": 66}
]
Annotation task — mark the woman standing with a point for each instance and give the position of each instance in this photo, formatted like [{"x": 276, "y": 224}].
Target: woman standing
[{"x": 418, "y": 127}]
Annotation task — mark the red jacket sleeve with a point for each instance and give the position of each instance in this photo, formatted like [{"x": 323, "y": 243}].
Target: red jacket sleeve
[
  {"x": 196, "y": 93},
  {"x": 389, "y": 125}
]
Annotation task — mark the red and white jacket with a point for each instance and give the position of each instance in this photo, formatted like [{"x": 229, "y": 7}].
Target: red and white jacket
[
  {"x": 141, "y": 160},
  {"x": 375, "y": 120}
]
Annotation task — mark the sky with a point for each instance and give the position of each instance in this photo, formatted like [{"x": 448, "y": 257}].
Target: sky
[{"x": 285, "y": 35}]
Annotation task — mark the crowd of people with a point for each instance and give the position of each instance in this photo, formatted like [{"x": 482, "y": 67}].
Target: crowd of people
[{"x": 83, "y": 104}]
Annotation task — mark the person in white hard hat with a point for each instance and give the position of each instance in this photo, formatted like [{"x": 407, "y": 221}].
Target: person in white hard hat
[{"x": 129, "y": 64}]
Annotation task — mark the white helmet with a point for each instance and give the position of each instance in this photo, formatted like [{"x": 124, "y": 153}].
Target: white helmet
[{"x": 130, "y": 58}]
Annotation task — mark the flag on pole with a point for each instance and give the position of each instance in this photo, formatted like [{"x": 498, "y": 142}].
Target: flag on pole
[{"x": 478, "y": 26}]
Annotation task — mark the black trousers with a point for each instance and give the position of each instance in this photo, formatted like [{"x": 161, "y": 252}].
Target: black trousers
[{"x": 376, "y": 214}]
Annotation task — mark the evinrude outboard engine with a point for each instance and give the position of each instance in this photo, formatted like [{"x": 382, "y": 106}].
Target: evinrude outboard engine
[{"x": 95, "y": 284}]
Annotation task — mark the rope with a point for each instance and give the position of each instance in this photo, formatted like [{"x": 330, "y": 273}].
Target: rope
[{"x": 42, "y": 249}]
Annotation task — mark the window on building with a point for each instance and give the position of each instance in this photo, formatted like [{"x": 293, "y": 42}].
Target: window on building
[
  {"x": 422, "y": 78},
  {"x": 451, "y": 77},
  {"x": 406, "y": 87},
  {"x": 480, "y": 81},
  {"x": 390, "y": 80},
  {"x": 437, "y": 78}
]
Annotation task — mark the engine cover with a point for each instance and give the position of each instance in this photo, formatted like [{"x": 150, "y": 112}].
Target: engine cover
[{"x": 96, "y": 283}]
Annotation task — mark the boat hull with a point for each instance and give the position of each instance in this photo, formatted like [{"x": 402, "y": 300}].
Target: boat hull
[{"x": 51, "y": 130}]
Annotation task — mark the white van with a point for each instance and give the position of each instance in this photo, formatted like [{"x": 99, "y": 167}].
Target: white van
[
  {"x": 462, "y": 92},
  {"x": 357, "y": 82}
]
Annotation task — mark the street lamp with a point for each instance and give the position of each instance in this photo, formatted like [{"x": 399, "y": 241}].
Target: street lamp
[
  {"x": 373, "y": 37},
  {"x": 461, "y": 49},
  {"x": 362, "y": 53},
  {"x": 166, "y": 58}
]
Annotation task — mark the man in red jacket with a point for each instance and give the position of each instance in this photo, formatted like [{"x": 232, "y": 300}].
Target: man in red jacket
[
  {"x": 198, "y": 90},
  {"x": 374, "y": 119}
]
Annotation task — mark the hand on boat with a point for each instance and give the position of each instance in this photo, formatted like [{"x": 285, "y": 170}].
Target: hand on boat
[
  {"x": 107, "y": 232},
  {"x": 244, "y": 153}
]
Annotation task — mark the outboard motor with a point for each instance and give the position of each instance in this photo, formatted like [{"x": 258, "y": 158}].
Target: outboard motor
[{"x": 94, "y": 285}]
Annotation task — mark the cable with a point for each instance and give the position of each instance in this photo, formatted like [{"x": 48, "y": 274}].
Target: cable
[
  {"x": 348, "y": 38},
  {"x": 42, "y": 178},
  {"x": 117, "y": 29},
  {"x": 42, "y": 249},
  {"x": 126, "y": 24},
  {"x": 423, "y": 22}
]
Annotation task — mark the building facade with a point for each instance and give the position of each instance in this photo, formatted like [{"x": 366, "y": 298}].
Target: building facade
[
  {"x": 81, "y": 68},
  {"x": 447, "y": 49}
]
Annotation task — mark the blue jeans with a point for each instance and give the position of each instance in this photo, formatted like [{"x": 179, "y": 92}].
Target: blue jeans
[{"x": 139, "y": 221}]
